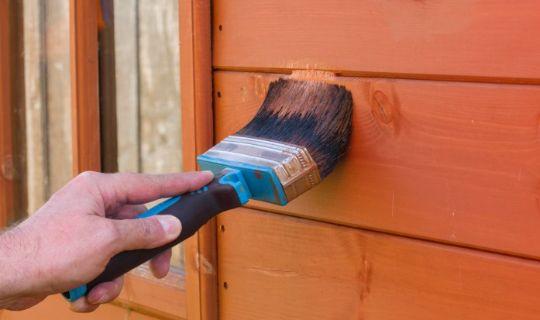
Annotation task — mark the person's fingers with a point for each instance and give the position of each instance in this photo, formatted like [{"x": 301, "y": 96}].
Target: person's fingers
[
  {"x": 81, "y": 305},
  {"x": 128, "y": 211},
  {"x": 160, "y": 264},
  {"x": 146, "y": 233},
  {"x": 102, "y": 293},
  {"x": 105, "y": 292},
  {"x": 132, "y": 188}
]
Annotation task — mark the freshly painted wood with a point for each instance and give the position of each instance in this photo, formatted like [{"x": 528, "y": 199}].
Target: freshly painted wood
[
  {"x": 139, "y": 316},
  {"x": 7, "y": 184},
  {"x": 55, "y": 307},
  {"x": 471, "y": 40},
  {"x": 164, "y": 298},
  {"x": 452, "y": 162},
  {"x": 277, "y": 267},
  {"x": 12, "y": 116},
  {"x": 18, "y": 109},
  {"x": 84, "y": 85},
  {"x": 197, "y": 136}
]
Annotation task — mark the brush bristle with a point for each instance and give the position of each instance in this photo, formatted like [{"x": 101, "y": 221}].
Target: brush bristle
[{"x": 311, "y": 114}]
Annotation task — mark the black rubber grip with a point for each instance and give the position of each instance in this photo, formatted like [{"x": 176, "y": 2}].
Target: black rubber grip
[{"x": 193, "y": 210}]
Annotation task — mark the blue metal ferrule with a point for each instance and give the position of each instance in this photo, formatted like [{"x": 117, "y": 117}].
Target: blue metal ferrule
[
  {"x": 262, "y": 182},
  {"x": 275, "y": 171}
]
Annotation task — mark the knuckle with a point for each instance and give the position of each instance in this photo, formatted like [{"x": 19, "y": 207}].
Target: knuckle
[
  {"x": 149, "y": 231},
  {"x": 151, "y": 227},
  {"x": 88, "y": 177},
  {"x": 123, "y": 176}
]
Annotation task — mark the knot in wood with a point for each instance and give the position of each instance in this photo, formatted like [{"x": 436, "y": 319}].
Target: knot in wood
[{"x": 382, "y": 107}]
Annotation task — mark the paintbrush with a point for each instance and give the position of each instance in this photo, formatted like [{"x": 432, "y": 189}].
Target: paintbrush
[{"x": 294, "y": 141}]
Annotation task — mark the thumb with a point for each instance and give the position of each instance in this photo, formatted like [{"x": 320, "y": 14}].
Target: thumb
[{"x": 146, "y": 233}]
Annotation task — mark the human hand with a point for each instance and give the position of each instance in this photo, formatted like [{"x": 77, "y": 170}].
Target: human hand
[{"x": 69, "y": 241}]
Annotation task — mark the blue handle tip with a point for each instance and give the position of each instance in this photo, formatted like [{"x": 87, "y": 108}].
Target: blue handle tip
[{"x": 75, "y": 294}]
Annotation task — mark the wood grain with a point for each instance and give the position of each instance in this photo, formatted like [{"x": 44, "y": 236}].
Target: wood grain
[
  {"x": 84, "y": 85},
  {"x": 452, "y": 162},
  {"x": 278, "y": 267},
  {"x": 470, "y": 40},
  {"x": 197, "y": 136}
]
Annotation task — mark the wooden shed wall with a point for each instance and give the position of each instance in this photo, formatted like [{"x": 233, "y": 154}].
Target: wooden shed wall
[{"x": 444, "y": 164}]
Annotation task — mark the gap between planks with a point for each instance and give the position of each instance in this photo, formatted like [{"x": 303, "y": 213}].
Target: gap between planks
[{"x": 389, "y": 75}]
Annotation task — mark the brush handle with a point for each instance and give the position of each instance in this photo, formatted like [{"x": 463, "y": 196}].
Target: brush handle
[{"x": 193, "y": 209}]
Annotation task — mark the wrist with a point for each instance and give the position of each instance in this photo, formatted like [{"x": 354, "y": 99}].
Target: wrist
[{"x": 15, "y": 260}]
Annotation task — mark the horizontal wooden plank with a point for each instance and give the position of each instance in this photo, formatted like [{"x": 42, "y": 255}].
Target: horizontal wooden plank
[
  {"x": 277, "y": 267},
  {"x": 55, "y": 307},
  {"x": 139, "y": 316},
  {"x": 470, "y": 39},
  {"x": 449, "y": 161},
  {"x": 141, "y": 298},
  {"x": 165, "y": 298}
]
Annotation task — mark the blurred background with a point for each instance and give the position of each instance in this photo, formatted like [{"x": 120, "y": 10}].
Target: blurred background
[
  {"x": 139, "y": 105},
  {"x": 141, "y": 113}
]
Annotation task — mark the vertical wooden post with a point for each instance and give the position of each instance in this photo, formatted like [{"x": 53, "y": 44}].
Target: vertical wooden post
[
  {"x": 197, "y": 135},
  {"x": 107, "y": 88},
  {"x": 6, "y": 134},
  {"x": 12, "y": 133},
  {"x": 84, "y": 85}
]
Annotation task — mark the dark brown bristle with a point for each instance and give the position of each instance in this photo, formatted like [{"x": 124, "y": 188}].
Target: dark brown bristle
[{"x": 314, "y": 115}]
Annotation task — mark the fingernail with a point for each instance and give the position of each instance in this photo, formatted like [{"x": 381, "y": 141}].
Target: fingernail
[
  {"x": 171, "y": 225},
  {"x": 208, "y": 173}
]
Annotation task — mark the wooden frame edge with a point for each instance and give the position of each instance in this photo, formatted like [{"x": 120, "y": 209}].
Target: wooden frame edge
[
  {"x": 197, "y": 137},
  {"x": 83, "y": 32},
  {"x": 13, "y": 204},
  {"x": 138, "y": 290},
  {"x": 6, "y": 134}
]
